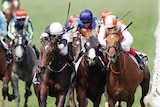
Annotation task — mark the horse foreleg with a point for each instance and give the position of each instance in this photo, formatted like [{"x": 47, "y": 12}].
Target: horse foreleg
[
  {"x": 60, "y": 101},
  {"x": 111, "y": 102},
  {"x": 14, "y": 83},
  {"x": 5, "y": 93},
  {"x": 96, "y": 102},
  {"x": 81, "y": 97},
  {"x": 130, "y": 101},
  {"x": 43, "y": 95},
  {"x": 68, "y": 97},
  {"x": 28, "y": 92},
  {"x": 73, "y": 104},
  {"x": 145, "y": 85}
]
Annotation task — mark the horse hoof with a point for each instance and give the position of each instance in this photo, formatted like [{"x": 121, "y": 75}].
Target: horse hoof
[
  {"x": 25, "y": 105},
  {"x": 11, "y": 97}
]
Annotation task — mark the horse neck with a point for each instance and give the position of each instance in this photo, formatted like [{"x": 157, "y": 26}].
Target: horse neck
[{"x": 120, "y": 63}]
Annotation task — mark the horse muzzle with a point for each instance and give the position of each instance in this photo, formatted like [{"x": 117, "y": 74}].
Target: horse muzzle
[{"x": 112, "y": 58}]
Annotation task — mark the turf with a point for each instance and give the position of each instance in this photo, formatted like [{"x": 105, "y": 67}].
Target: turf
[{"x": 143, "y": 15}]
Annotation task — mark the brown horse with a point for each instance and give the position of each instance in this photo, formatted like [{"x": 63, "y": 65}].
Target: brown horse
[
  {"x": 75, "y": 50},
  {"x": 90, "y": 78},
  {"x": 55, "y": 76},
  {"x": 5, "y": 74},
  {"x": 124, "y": 75}
]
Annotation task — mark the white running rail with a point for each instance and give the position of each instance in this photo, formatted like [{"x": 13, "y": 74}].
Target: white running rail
[{"x": 153, "y": 98}]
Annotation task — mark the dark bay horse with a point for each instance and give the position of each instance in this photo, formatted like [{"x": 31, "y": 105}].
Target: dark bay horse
[
  {"x": 55, "y": 74},
  {"x": 5, "y": 74},
  {"x": 24, "y": 59},
  {"x": 90, "y": 78},
  {"x": 124, "y": 75},
  {"x": 75, "y": 50}
]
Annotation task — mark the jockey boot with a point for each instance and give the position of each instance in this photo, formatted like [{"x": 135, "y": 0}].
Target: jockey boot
[
  {"x": 69, "y": 60},
  {"x": 79, "y": 56},
  {"x": 140, "y": 61},
  {"x": 36, "y": 51},
  {"x": 36, "y": 77}
]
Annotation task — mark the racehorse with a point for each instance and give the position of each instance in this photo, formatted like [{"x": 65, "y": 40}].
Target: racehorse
[
  {"x": 55, "y": 74},
  {"x": 124, "y": 75},
  {"x": 90, "y": 78},
  {"x": 24, "y": 60},
  {"x": 75, "y": 50},
  {"x": 5, "y": 74}
]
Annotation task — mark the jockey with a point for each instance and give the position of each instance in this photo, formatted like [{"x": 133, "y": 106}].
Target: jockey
[
  {"x": 87, "y": 25},
  {"x": 6, "y": 5},
  {"x": 3, "y": 34},
  {"x": 111, "y": 22},
  {"x": 68, "y": 26},
  {"x": 22, "y": 23},
  {"x": 57, "y": 29},
  {"x": 104, "y": 14},
  {"x": 71, "y": 20}
]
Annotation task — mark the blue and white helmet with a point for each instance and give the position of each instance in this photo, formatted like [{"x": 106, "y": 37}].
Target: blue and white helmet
[{"x": 86, "y": 16}]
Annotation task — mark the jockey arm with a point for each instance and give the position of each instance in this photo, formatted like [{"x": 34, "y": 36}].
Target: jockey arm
[
  {"x": 101, "y": 36},
  {"x": 127, "y": 39},
  {"x": 11, "y": 30},
  {"x": 95, "y": 29},
  {"x": 3, "y": 25},
  {"x": 63, "y": 41},
  {"x": 30, "y": 29}
]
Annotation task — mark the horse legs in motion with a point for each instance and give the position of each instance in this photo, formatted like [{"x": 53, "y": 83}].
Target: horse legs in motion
[
  {"x": 70, "y": 97},
  {"x": 145, "y": 84},
  {"x": 15, "y": 86}
]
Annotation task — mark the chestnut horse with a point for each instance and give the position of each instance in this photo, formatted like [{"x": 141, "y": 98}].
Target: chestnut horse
[
  {"x": 5, "y": 74},
  {"x": 90, "y": 78},
  {"x": 124, "y": 75},
  {"x": 55, "y": 74}
]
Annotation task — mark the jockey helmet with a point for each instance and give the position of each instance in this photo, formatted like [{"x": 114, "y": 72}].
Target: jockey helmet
[
  {"x": 73, "y": 18},
  {"x": 20, "y": 14},
  {"x": 110, "y": 21},
  {"x": 86, "y": 16},
  {"x": 56, "y": 28},
  {"x": 106, "y": 13}
]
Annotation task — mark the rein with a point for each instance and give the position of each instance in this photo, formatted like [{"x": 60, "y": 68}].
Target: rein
[
  {"x": 60, "y": 70},
  {"x": 120, "y": 71}
]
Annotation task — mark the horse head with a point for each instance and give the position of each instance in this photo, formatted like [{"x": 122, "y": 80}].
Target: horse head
[
  {"x": 19, "y": 45},
  {"x": 76, "y": 45},
  {"x": 48, "y": 51},
  {"x": 113, "y": 46},
  {"x": 91, "y": 47}
]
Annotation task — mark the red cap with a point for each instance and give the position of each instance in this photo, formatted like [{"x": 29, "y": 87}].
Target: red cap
[{"x": 20, "y": 14}]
